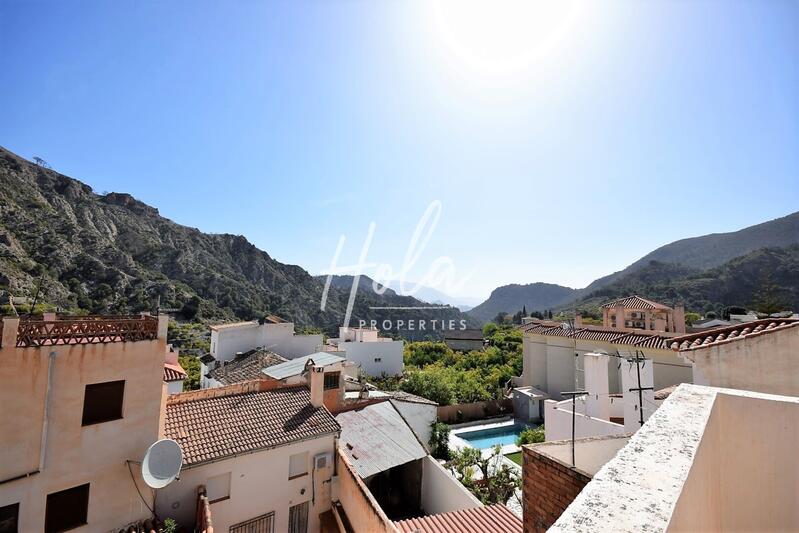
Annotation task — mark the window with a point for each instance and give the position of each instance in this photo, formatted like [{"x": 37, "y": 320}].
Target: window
[
  {"x": 261, "y": 524},
  {"x": 217, "y": 488},
  {"x": 331, "y": 380},
  {"x": 102, "y": 402},
  {"x": 378, "y": 359},
  {"x": 298, "y": 465},
  {"x": 9, "y": 518},
  {"x": 298, "y": 518},
  {"x": 66, "y": 509}
]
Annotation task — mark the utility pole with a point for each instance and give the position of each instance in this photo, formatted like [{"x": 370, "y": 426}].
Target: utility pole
[
  {"x": 574, "y": 395},
  {"x": 639, "y": 388}
]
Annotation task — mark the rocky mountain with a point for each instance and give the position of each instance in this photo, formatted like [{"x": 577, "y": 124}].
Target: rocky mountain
[
  {"x": 712, "y": 250},
  {"x": 766, "y": 280},
  {"x": 672, "y": 272},
  {"x": 533, "y": 296},
  {"x": 112, "y": 253}
]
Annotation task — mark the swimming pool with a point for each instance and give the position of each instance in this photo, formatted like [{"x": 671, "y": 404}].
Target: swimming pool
[{"x": 486, "y": 438}]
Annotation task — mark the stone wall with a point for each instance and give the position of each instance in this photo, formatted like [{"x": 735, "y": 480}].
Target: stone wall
[{"x": 549, "y": 487}]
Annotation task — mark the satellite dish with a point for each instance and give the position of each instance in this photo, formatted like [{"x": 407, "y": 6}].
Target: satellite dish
[{"x": 161, "y": 464}]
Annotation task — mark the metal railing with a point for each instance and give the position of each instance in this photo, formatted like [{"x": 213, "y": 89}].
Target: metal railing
[{"x": 86, "y": 330}]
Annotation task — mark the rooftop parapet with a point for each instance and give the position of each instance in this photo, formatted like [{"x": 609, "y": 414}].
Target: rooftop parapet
[{"x": 52, "y": 330}]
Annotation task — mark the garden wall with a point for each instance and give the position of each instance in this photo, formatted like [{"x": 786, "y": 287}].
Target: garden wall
[{"x": 465, "y": 412}]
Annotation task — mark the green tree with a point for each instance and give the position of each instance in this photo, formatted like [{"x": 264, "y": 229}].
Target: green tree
[
  {"x": 692, "y": 318},
  {"x": 439, "y": 441},
  {"x": 192, "y": 367},
  {"x": 497, "y": 482},
  {"x": 432, "y": 385}
]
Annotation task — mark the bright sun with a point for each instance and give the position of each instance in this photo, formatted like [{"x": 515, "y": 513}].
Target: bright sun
[{"x": 503, "y": 36}]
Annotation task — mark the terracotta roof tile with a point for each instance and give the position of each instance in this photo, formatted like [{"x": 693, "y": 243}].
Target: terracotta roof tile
[
  {"x": 635, "y": 302},
  {"x": 489, "y": 519},
  {"x": 611, "y": 335},
  {"x": 173, "y": 372},
  {"x": 246, "y": 367},
  {"x": 716, "y": 336},
  {"x": 223, "y": 425}
]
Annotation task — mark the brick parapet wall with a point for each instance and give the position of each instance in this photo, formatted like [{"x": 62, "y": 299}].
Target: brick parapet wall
[{"x": 549, "y": 487}]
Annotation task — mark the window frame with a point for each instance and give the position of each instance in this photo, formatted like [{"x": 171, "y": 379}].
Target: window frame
[
  {"x": 337, "y": 375},
  {"x": 306, "y": 456},
  {"x": 49, "y": 527},
  {"x": 219, "y": 478},
  {"x": 86, "y": 420},
  {"x": 13, "y": 510}
]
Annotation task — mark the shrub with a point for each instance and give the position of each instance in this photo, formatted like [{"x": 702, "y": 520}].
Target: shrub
[
  {"x": 439, "y": 441},
  {"x": 531, "y": 436}
]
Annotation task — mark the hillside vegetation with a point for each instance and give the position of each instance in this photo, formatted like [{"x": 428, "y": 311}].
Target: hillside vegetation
[
  {"x": 765, "y": 280},
  {"x": 114, "y": 254}
]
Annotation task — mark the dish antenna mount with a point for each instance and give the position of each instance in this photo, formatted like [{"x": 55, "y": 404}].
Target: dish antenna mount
[{"x": 161, "y": 464}]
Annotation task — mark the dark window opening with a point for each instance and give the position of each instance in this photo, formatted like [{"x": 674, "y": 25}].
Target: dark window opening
[
  {"x": 67, "y": 509},
  {"x": 103, "y": 402},
  {"x": 331, "y": 380},
  {"x": 9, "y": 518}
]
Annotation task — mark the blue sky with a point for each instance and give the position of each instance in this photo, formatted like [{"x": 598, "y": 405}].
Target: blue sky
[{"x": 562, "y": 143}]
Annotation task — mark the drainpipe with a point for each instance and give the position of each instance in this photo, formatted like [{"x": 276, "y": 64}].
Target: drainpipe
[{"x": 43, "y": 445}]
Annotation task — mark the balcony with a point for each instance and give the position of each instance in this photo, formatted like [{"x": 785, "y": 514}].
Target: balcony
[{"x": 58, "y": 331}]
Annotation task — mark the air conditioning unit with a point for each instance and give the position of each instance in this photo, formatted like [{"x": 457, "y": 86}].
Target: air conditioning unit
[{"x": 323, "y": 460}]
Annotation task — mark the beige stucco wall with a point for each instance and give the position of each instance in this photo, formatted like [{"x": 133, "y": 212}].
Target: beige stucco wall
[
  {"x": 745, "y": 476},
  {"x": 259, "y": 485},
  {"x": 761, "y": 363},
  {"x": 74, "y": 454},
  {"x": 363, "y": 512},
  {"x": 442, "y": 493}
]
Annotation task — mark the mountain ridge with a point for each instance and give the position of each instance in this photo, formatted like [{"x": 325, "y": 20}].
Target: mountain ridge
[
  {"x": 113, "y": 253},
  {"x": 695, "y": 254}
]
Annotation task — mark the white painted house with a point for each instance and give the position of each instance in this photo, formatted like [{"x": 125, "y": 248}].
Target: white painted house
[
  {"x": 599, "y": 413},
  {"x": 254, "y": 459},
  {"x": 271, "y": 333},
  {"x": 377, "y": 356},
  {"x": 230, "y": 342}
]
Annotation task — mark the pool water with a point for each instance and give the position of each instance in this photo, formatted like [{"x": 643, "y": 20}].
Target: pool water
[{"x": 486, "y": 438}]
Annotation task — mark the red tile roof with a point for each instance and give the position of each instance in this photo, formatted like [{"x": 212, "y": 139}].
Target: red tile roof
[
  {"x": 636, "y": 302},
  {"x": 630, "y": 338},
  {"x": 490, "y": 519},
  {"x": 213, "y": 424},
  {"x": 173, "y": 372},
  {"x": 716, "y": 336},
  {"x": 246, "y": 367}
]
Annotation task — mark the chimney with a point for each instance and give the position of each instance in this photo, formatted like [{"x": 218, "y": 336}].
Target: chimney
[
  {"x": 679, "y": 318},
  {"x": 316, "y": 380},
  {"x": 10, "y": 327},
  {"x": 171, "y": 355},
  {"x": 621, "y": 321},
  {"x": 578, "y": 320}
]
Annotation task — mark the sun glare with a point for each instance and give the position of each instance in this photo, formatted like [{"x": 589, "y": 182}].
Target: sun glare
[{"x": 506, "y": 36}]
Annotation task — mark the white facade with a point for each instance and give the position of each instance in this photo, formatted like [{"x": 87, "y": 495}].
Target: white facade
[
  {"x": 248, "y": 486},
  {"x": 229, "y": 339},
  {"x": 593, "y": 411},
  {"x": 375, "y": 355},
  {"x": 174, "y": 387},
  {"x": 549, "y": 364},
  {"x": 442, "y": 493}
]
